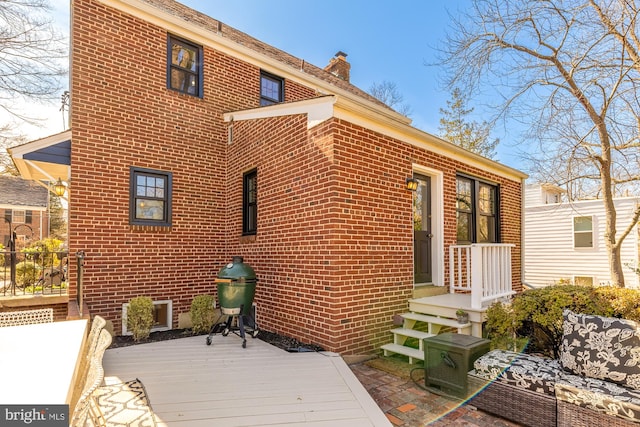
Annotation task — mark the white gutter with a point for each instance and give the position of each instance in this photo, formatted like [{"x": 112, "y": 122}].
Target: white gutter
[
  {"x": 349, "y": 106},
  {"x": 218, "y": 41}
]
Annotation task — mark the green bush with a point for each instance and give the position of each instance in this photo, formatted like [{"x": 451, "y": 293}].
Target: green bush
[
  {"x": 27, "y": 273},
  {"x": 623, "y": 302},
  {"x": 534, "y": 316},
  {"x": 140, "y": 317},
  {"x": 502, "y": 328},
  {"x": 202, "y": 313},
  {"x": 45, "y": 252}
]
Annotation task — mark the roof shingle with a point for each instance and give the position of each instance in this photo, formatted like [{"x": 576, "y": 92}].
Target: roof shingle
[
  {"x": 21, "y": 192},
  {"x": 197, "y": 18}
]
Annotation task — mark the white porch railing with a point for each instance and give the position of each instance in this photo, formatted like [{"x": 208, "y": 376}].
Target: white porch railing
[{"x": 484, "y": 269}]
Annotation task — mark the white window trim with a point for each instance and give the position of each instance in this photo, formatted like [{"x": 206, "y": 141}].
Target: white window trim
[
  {"x": 593, "y": 279},
  {"x": 573, "y": 230},
  {"x": 437, "y": 222},
  {"x": 23, "y": 219},
  {"x": 169, "y": 325}
]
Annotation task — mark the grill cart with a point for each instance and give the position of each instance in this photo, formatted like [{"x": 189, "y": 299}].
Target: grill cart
[{"x": 236, "y": 284}]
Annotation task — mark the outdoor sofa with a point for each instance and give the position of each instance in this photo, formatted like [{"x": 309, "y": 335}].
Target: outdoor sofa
[{"x": 595, "y": 381}]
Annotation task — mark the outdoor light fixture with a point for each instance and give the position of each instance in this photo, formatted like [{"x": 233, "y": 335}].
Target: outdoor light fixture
[
  {"x": 412, "y": 184},
  {"x": 59, "y": 188}
]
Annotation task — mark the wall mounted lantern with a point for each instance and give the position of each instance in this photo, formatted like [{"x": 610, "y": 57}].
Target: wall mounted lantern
[
  {"x": 59, "y": 188},
  {"x": 412, "y": 184}
]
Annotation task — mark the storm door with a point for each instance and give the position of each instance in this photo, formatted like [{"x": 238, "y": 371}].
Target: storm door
[{"x": 422, "y": 235}]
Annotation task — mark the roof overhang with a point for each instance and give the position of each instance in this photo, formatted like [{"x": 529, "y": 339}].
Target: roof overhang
[
  {"x": 317, "y": 110},
  {"x": 45, "y": 159},
  {"x": 210, "y": 37},
  {"x": 331, "y": 106}
]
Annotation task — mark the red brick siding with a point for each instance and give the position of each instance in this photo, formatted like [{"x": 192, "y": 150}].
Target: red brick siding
[
  {"x": 37, "y": 229},
  {"x": 123, "y": 115},
  {"x": 334, "y": 248},
  {"x": 333, "y": 252}
]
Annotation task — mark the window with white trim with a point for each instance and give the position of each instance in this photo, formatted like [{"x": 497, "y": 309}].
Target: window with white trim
[
  {"x": 583, "y": 280},
  {"x": 162, "y": 316},
  {"x": 582, "y": 231}
]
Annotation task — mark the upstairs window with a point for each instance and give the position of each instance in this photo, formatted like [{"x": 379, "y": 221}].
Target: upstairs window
[
  {"x": 17, "y": 216},
  {"x": 150, "y": 197},
  {"x": 271, "y": 89},
  {"x": 582, "y": 232},
  {"x": 184, "y": 67},
  {"x": 250, "y": 203},
  {"x": 476, "y": 211}
]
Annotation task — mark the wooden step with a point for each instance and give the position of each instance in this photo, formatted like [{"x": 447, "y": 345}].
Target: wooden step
[
  {"x": 413, "y": 353},
  {"x": 411, "y": 333},
  {"x": 444, "y": 321}
]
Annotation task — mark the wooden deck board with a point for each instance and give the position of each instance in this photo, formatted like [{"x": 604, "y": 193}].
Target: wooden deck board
[{"x": 191, "y": 384}]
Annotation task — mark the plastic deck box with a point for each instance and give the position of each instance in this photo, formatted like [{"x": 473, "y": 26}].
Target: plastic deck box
[{"x": 447, "y": 359}]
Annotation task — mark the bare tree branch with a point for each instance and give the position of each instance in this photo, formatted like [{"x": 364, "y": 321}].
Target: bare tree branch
[
  {"x": 570, "y": 70},
  {"x": 31, "y": 55}
]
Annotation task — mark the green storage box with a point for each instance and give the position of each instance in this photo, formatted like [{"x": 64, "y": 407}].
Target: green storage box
[{"x": 448, "y": 358}]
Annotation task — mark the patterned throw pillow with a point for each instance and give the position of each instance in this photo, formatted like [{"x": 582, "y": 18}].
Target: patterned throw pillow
[
  {"x": 125, "y": 405},
  {"x": 599, "y": 347}
]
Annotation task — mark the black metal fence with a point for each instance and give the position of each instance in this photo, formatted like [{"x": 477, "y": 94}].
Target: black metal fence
[{"x": 33, "y": 273}]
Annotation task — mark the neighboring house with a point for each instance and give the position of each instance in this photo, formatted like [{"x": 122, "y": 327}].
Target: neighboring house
[
  {"x": 193, "y": 142},
  {"x": 564, "y": 241},
  {"x": 23, "y": 204}
]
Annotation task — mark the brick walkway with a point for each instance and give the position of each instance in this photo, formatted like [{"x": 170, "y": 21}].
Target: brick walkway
[{"x": 408, "y": 405}]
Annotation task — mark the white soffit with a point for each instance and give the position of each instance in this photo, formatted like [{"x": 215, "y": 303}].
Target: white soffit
[
  {"x": 355, "y": 109},
  {"x": 317, "y": 110}
]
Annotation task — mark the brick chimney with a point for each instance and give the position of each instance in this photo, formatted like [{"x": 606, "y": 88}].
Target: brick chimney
[{"x": 338, "y": 66}]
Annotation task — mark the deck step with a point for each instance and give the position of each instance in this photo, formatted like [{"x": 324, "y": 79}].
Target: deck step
[
  {"x": 444, "y": 321},
  {"x": 413, "y": 353},
  {"x": 411, "y": 333}
]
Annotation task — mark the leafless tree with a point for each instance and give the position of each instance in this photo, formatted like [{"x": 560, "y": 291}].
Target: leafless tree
[
  {"x": 570, "y": 70},
  {"x": 31, "y": 55},
  {"x": 6, "y": 141},
  {"x": 388, "y": 93}
]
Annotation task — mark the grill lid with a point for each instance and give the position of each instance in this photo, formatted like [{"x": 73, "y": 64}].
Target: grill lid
[{"x": 237, "y": 270}]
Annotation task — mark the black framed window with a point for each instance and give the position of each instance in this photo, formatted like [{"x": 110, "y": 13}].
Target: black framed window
[
  {"x": 150, "y": 197},
  {"x": 250, "y": 203},
  {"x": 476, "y": 211},
  {"x": 271, "y": 89},
  {"x": 184, "y": 62}
]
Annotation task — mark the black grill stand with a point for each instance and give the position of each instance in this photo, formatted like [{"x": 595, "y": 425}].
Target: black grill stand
[{"x": 232, "y": 320}]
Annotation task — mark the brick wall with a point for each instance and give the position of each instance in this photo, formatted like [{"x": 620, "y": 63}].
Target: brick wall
[
  {"x": 123, "y": 115},
  {"x": 334, "y": 248},
  {"x": 333, "y": 252}
]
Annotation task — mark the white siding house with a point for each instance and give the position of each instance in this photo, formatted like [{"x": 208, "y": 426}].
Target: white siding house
[{"x": 564, "y": 241}]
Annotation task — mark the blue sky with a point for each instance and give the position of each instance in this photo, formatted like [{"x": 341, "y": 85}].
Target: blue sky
[{"x": 384, "y": 40}]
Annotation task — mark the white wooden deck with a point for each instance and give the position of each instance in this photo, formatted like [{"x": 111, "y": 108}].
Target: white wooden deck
[{"x": 192, "y": 384}]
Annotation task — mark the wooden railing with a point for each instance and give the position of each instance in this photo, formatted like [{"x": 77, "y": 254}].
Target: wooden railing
[{"x": 484, "y": 269}]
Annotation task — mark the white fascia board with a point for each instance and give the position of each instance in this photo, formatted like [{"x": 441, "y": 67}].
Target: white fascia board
[
  {"x": 351, "y": 112},
  {"x": 22, "y": 207},
  {"x": 317, "y": 110},
  {"x": 19, "y": 151},
  {"x": 218, "y": 41},
  {"x": 369, "y": 114}
]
